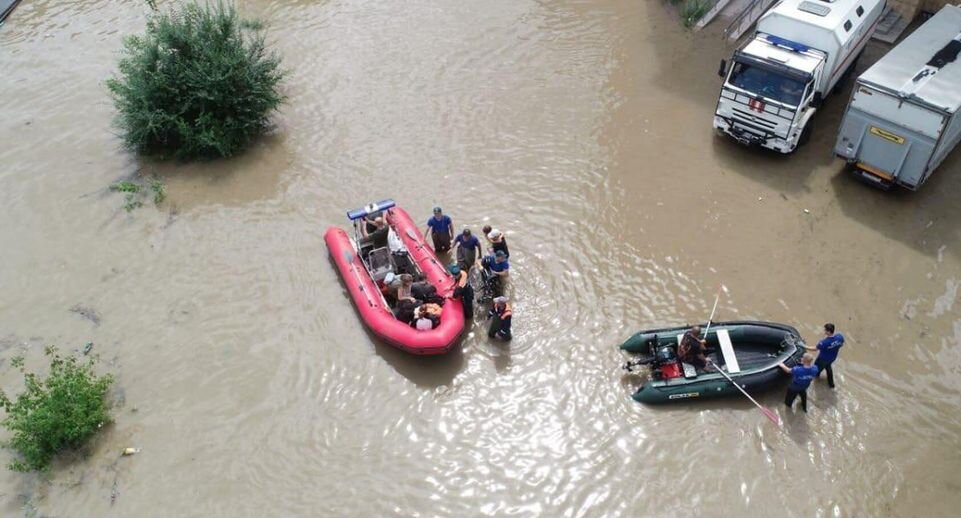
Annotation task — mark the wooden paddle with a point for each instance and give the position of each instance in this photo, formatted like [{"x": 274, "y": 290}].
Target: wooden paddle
[{"x": 766, "y": 411}]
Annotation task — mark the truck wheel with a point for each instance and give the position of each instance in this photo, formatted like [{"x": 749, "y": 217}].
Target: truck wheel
[{"x": 805, "y": 136}]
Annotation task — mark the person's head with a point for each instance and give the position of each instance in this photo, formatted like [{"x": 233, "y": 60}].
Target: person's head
[
  {"x": 438, "y": 213},
  {"x": 406, "y": 279},
  {"x": 379, "y": 222},
  {"x": 829, "y": 329},
  {"x": 696, "y": 330},
  {"x": 807, "y": 359},
  {"x": 500, "y": 256},
  {"x": 495, "y": 235},
  {"x": 486, "y": 229},
  {"x": 454, "y": 270},
  {"x": 500, "y": 301},
  {"x": 466, "y": 232}
]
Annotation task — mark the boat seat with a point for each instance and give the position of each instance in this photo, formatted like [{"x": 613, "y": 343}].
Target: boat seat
[
  {"x": 727, "y": 350},
  {"x": 381, "y": 262}
]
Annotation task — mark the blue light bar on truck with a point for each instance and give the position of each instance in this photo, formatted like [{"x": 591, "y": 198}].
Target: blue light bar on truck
[
  {"x": 363, "y": 212},
  {"x": 781, "y": 42}
]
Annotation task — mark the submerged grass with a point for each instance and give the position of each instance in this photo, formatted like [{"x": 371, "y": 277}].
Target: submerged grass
[{"x": 693, "y": 10}]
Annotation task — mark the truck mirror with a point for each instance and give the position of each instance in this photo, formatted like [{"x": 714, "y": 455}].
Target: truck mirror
[{"x": 722, "y": 70}]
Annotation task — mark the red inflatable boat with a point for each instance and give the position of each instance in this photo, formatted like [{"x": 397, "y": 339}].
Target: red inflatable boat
[{"x": 364, "y": 269}]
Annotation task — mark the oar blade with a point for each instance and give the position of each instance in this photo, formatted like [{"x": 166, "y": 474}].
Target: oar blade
[{"x": 774, "y": 418}]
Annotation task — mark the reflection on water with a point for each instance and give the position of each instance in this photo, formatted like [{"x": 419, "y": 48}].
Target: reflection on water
[{"x": 581, "y": 128}]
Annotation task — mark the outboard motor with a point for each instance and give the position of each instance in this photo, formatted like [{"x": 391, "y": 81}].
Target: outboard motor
[{"x": 667, "y": 364}]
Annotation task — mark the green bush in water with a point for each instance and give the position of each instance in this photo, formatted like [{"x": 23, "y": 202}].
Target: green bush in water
[
  {"x": 57, "y": 413},
  {"x": 693, "y": 10},
  {"x": 199, "y": 83}
]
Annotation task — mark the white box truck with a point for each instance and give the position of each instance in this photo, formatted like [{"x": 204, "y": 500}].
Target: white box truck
[
  {"x": 904, "y": 117},
  {"x": 777, "y": 80}
]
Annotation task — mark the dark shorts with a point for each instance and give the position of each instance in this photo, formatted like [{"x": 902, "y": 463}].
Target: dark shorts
[{"x": 441, "y": 241}]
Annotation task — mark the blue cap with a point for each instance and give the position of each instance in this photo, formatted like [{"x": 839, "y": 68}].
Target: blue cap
[
  {"x": 437, "y": 210},
  {"x": 454, "y": 269},
  {"x": 500, "y": 253}
]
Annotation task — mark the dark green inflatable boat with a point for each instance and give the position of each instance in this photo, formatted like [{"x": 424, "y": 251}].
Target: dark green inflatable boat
[{"x": 748, "y": 351}]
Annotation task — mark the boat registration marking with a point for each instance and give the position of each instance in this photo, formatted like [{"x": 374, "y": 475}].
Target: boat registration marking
[
  {"x": 684, "y": 395},
  {"x": 887, "y": 135}
]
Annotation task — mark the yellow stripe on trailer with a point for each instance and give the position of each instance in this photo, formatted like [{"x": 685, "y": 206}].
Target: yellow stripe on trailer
[{"x": 887, "y": 135}]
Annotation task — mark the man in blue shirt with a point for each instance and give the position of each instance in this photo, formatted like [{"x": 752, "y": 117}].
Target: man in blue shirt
[
  {"x": 828, "y": 349},
  {"x": 467, "y": 249},
  {"x": 801, "y": 377},
  {"x": 499, "y": 267},
  {"x": 441, "y": 230}
]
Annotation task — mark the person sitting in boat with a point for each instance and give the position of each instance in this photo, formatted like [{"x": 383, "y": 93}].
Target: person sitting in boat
[
  {"x": 378, "y": 237},
  {"x": 406, "y": 285},
  {"x": 427, "y": 317},
  {"x": 422, "y": 320},
  {"x": 440, "y": 228},
  {"x": 463, "y": 290},
  {"x": 501, "y": 324},
  {"x": 499, "y": 267},
  {"x": 692, "y": 348},
  {"x": 406, "y": 310}
]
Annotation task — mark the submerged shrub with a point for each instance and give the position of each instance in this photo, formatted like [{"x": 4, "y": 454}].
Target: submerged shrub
[
  {"x": 57, "y": 413},
  {"x": 693, "y": 10},
  {"x": 199, "y": 83}
]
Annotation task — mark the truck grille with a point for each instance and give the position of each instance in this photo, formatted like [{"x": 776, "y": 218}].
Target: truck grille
[{"x": 745, "y": 117}]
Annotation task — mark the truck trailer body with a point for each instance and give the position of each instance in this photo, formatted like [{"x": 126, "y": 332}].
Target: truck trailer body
[
  {"x": 902, "y": 120},
  {"x": 777, "y": 80}
]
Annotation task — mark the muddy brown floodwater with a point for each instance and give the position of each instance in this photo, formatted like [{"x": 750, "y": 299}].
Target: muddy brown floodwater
[{"x": 582, "y": 128}]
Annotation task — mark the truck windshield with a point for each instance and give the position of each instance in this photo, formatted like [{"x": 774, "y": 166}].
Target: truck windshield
[{"x": 770, "y": 84}]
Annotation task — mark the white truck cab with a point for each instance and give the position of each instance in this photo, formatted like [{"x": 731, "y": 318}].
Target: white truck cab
[{"x": 778, "y": 79}]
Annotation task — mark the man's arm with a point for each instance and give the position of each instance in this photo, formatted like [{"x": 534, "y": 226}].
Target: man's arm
[
  {"x": 784, "y": 367},
  {"x": 450, "y": 227}
]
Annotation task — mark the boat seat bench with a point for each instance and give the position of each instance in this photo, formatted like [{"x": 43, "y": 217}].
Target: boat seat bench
[{"x": 727, "y": 350}]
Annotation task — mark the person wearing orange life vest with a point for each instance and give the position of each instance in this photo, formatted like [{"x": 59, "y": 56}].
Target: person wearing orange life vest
[{"x": 501, "y": 319}]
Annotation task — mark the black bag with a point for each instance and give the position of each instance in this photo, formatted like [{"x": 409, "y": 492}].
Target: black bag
[{"x": 422, "y": 290}]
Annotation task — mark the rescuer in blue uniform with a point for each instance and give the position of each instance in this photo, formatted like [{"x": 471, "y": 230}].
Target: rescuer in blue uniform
[
  {"x": 801, "y": 378},
  {"x": 828, "y": 349}
]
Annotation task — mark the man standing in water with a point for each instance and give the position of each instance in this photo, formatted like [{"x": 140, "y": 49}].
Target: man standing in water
[
  {"x": 501, "y": 313},
  {"x": 467, "y": 250},
  {"x": 828, "y": 349},
  {"x": 441, "y": 230},
  {"x": 801, "y": 377}
]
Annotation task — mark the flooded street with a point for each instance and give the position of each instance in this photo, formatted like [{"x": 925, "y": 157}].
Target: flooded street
[{"x": 582, "y": 129}]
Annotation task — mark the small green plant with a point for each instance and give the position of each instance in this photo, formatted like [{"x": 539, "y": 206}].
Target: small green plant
[
  {"x": 134, "y": 192},
  {"x": 125, "y": 186},
  {"x": 59, "y": 412},
  {"x": 159, "y": 191},
  {"x": 200, "y": 83},
  {"x": 693, "y": 10}
]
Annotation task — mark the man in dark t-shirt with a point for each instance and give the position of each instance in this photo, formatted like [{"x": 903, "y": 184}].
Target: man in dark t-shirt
[
  {"x": 440, "y": 228},
  {"x": 378, "y": 237},
  {"x": 467, "y": 249}
]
